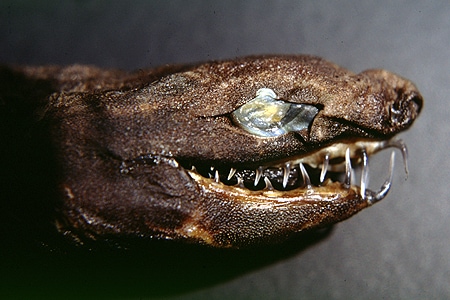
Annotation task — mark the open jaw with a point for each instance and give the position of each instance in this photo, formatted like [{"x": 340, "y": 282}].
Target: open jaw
[{"x": 320, "y": 174}]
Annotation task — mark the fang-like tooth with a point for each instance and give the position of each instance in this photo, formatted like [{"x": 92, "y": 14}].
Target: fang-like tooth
[
  {"x": 326, "y": 161},
  {"x": 399, "y": 144},
  {"x": 231, "y": 174},
  {"x": 402, "y": 147},
  {"x": 364, "y": 173},
  {"x": 240, "y": 182},
  {"x": 216, "y": 176},
  {"x": 268, "y": 184},
  {"x": 258, "y": 175},
  {"x": 375, "y": 197},
  {"x": 211, "y": 172},
  {"x": 404, "y": 151},
  {"x": 305, "y": 176},
  {"x": 286, "y": 171},
  {"x": 348, "y": 169},
  {"x": 352, "y": 181}
]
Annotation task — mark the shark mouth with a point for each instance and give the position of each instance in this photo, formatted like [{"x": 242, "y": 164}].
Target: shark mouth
[{"x": 327, "y": 170}]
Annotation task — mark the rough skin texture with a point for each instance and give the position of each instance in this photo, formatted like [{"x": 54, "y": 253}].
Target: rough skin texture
[{"x": 102, "y": 120}]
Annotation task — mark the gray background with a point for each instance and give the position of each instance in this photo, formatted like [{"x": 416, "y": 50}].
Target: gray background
[{"x": 397, "y": 249}]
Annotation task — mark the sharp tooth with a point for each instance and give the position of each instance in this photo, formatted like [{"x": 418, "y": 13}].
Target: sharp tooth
[
  {"x": 399, "y": 144},
  {"x": 268, "y": 184},
  {"x": 375, "y": 197},
  {"x": 258, "y": 175},
  {"x": 231, "y": 174},
  {"x": 240, "y": 182},
  {"x": 305, "y": 176},
  {"x": 404, "y": 151},
  {"x": 286, "y": 171},
  {"x": 405, "y": 161},
  {"x": 211, "y": 172},
  {"x": 216, "y": 176},
  {"x": 326, "y": 161},
  {"x": 193, "y": 169},
  {"x": 364, "y": 173},
  {"x": 348, "y": 169}
]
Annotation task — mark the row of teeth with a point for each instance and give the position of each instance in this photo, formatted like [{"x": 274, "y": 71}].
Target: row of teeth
[
  {"x": 290, "y": 170},
  {"x": 259, "y": 174},
  {"x": 347, "y": 180},
  {"x": 286, "y": 171}
]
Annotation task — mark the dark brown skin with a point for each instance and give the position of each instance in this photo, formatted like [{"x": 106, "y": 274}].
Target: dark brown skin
[{"x": 123, "y": 141}]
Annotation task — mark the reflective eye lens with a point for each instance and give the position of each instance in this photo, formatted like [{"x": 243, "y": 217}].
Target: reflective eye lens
[{"x": 268, "y": 117}]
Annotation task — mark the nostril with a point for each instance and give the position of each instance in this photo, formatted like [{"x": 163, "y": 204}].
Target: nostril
[
  {"x": 408, "y": 99},
  {"x": 405, "y": 109},
  {"x": 417, "y": 101}
]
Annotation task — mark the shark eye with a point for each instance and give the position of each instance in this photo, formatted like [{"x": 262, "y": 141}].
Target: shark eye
[{"x": 267, "y": 116}]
